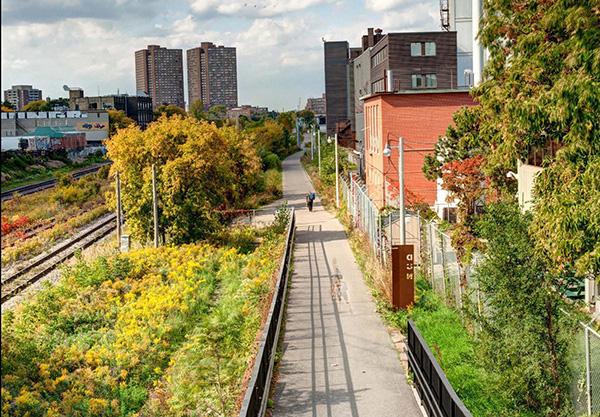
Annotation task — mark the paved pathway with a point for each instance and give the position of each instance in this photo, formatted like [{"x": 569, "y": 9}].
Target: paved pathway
[{"x": 338, "y": 359}]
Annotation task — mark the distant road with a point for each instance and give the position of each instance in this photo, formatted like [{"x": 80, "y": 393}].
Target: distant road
[{"x": 42, "y": 185}]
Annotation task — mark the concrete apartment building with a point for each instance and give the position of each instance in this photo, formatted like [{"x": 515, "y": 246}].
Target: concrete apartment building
[
  {"x": 317, "y": 104},
  {"x": 159, "y": 74},
  {"x": 420, "y": 117},
  {"x": 138, "y": 107},
  {"x": 93, "y": 123},
  {"x": 21, "y": 95},
  {"x": 212, "y": 75}
]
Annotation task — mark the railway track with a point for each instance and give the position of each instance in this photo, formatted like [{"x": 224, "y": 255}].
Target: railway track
[
  {"x": 43, "y": 185},
  {"x": 35, "y": 270}
]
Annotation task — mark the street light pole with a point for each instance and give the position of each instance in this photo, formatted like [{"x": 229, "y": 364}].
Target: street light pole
[
  {"x": 401, "y": 186},
  {"x": 312, "y": 145},
  {"x": 387, "y": 151},
  {"x": 337, "y": 175},
  {"x": 319, "y": 139}
]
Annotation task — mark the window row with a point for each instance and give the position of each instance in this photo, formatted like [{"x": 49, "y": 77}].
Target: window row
[{"x": 379, "y": 57}]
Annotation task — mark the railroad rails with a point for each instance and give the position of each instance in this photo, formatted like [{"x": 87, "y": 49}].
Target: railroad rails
[
  {"x": 42, "y": 185},
  {"x": 43, "y": 265}
]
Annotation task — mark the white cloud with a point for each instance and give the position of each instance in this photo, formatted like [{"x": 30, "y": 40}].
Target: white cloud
[
  {"x": 383, "y": 5},
  {"x": 251, "y": 8}
]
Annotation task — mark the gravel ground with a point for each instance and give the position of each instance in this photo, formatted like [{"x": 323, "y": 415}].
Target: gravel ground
[{"x": 104, "y": 246}]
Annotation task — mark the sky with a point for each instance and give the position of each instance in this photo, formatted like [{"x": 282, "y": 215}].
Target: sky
[{"x": 91, "y": 43}]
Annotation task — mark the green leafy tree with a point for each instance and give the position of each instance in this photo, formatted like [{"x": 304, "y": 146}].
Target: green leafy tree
[
  {"x": 218, "y": 112},
  {"x": 118, "y": 120},
  {"x": 39, "y": 105},
  {"x": 169, "y": 110},
  {"x": 8, "y": 105},
  {"x": 197, "y": 110},
  {"x": 308, "y": 116},
  {"x": 542, "y": 84},
  {"x": 524, "y": 337}
]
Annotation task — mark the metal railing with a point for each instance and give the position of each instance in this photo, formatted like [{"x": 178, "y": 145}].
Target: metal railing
[
  {"x": 257, "y": 393},
  {"x": 437, "y": 395}
]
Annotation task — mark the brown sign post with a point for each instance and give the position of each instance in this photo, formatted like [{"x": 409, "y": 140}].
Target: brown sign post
[{"x": 403, "y": 276}]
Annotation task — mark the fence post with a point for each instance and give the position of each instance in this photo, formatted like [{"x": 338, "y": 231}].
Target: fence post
[{"x": 588, "y": 366}]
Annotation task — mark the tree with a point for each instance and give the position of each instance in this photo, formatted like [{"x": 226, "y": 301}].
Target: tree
[
  {"x": 118, "y": 120},
  {"x": 39, "y": 105},
  {"x": 308, "y": 116},
  {"x": 201, "y": 169},
  {"x": 218, "y": 112},
  {"x": 524, "y": 337},
  {"x": 197, "y": 110},
  {"x": 268, "y": 138},
  {"x": 542, "y": 84},
  {"x": 287, "y": 120},
  {"x": 8, "y": 106},
  {"x": 169, "y": 110}
]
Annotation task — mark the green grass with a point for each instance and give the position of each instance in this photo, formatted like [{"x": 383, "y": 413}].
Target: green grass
[
  {"x": 454, "y": 348},
  {"x": 15, "y": 167}
]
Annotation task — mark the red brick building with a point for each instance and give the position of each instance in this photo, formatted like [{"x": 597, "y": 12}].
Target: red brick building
[{"x": 420, "y": 117}]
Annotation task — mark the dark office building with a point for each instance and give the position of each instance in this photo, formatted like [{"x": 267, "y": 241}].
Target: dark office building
[
  {"x": 420, "y": 60},
  {"x": 138, "y": 108},
  {"x": 337, "y": 55},
  {"x": 159, "y": 73},
  {"x": 212, "y": 75}
]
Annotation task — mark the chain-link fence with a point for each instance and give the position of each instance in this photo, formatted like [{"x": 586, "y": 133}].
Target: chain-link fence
[
  {"x": 382, "y": 229},
  {"x": 585, "y": 366}
]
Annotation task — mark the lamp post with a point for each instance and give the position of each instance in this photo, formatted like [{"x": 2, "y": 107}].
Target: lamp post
[
  {"x": 312, "y": 145},
  {"x": 387, "y": 152},
  {"x": 319, "y": 139},
  {"x": 337, "y": 173}
]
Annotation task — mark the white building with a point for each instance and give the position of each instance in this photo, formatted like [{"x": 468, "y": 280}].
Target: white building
[{"x": 93, "y": 123}]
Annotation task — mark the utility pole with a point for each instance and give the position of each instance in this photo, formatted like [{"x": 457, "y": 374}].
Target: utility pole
[
  {"x": 319, "y": 140},
  {"x": 337, "y": 175},
  {"x": 401, "y": 187},
  {"x": 118, "y": 186},
  {"x": 312, "y": 145},
  {"x": 154, "y": 205},
  {"x": 299, "y": 142}
]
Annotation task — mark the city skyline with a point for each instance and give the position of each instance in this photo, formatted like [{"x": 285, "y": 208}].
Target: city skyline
[{"x": 278, "y": 43}]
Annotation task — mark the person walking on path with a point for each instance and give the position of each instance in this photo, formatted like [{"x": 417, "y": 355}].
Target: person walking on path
[{"x": 310, "y": 198}]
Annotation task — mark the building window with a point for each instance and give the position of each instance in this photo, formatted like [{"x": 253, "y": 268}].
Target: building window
[
  {"x": 417, "y": 81},
  {"x": 379, "y": 57},
  {"x": 429, "y": 48},
  {"x": 430, "y": 80},
  {"x": 415, "y": 49},
  {"x": 449, "y": 214},
  {"x": 377, "y": 87}
]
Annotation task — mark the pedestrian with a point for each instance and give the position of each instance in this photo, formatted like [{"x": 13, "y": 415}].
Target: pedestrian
[{"x": 310, "y": 198}]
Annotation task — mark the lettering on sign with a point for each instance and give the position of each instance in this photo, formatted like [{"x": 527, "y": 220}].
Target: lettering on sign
[{"x": 403, "y": 276}]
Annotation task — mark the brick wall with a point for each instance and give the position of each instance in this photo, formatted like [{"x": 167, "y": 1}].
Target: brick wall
[{"x": 418, "y": 117}]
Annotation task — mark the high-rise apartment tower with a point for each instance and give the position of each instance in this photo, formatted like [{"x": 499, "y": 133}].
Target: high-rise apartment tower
[
  {"x": 21, "y": 95},
  {"x": 159, "y": 73},
  {"x": 212, "y": 75}
]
